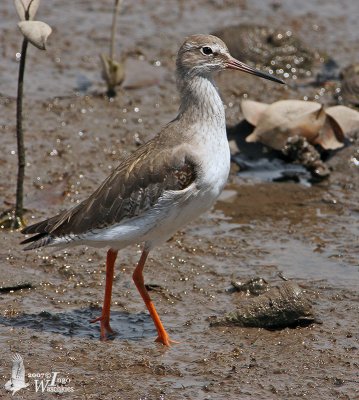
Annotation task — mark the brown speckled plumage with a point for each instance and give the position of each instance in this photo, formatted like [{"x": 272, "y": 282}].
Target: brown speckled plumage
[{"x": 133, "y": 188}]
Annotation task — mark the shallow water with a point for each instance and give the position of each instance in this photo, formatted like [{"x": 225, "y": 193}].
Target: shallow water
[
  {"x": 76, "y": 323},
  {"x": 300, "y": 262},
  {"x": 265, "y": 170}
]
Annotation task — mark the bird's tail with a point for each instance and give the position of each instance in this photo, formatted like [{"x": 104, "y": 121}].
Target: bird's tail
[
  {"x": 43, "y": 236},
  {"x": 37, "y": 241}
]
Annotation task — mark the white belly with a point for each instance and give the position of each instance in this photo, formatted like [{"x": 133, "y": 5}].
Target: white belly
[{"x": 174, "y": 210}]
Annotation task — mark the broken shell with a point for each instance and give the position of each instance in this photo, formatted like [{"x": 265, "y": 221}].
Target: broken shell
[
  {"x": 286, "y": 118},
  {"x": 26, "y": 5},
  {"x": 253, "y": 110},
  {"x": 277, "y": 122},
  {"x": 283, "y": 305},
  {"x": 345, "y": 117},
  {"x": 36, "y": 32},
  {"x": 330, "y": 135}
]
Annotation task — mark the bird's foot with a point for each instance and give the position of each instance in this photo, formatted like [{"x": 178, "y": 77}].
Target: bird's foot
[
  {"x": 105, "y": 328},
  {"x": 165, "y": 340}
]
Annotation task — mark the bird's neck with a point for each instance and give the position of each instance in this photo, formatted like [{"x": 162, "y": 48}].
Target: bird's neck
[{"x": 200, "y": 100}]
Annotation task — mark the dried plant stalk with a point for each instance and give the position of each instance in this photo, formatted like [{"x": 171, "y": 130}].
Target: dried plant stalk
[
  {"x": 35, "y": 32},
  {"x": 114, "y": 28},
  {"x": 112, "y": 70},
  {"x": 19, "y": 208}
]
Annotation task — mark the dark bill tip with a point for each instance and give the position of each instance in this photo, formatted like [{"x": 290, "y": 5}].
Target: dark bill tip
[{"x": 238, "y": 65}]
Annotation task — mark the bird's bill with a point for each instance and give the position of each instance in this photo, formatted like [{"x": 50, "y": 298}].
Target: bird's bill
[{"x": 232, "y": 63}]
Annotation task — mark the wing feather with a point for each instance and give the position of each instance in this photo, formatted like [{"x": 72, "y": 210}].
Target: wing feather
[{"x": 133, "y": 188}]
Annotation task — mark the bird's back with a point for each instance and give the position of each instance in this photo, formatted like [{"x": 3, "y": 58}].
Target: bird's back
[{"x": 133, "y": 188}]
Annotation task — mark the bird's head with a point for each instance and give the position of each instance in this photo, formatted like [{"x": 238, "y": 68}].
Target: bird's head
[{"x": 206, "y": 54}]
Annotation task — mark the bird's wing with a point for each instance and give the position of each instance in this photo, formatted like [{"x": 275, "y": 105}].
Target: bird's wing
[
  {"x": 18, "y": 369},
  {"x": 132, "y": 189}
]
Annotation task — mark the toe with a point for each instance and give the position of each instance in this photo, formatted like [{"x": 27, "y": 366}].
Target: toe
[{"x": 165, "y": 340}]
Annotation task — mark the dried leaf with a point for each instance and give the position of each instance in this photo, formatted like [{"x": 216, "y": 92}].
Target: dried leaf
[
  {"x": 307, "y": 123},
  {"x": 36, "y": 32},
  {"x": 252, "y": 110},
  {"x": 287, "y": 118},
  {"x": 26, "y": 5},
  {"x": 330, "y": 135},
  {"x": 277, "y": 122},
  {"x": 345, "y": 117}
]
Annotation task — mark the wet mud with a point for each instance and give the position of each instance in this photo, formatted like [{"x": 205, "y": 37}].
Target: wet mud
[{"x": 75, "y": 137}]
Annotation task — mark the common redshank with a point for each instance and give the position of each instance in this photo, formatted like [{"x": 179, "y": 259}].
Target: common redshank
[{"x": 164, "y": 184}]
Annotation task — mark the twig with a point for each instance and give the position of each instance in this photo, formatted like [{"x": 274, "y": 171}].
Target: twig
[
  {"x": 114, "y": 28},
  {"x": 19, "y": 208},
  {"x": 113, "y": 71}
]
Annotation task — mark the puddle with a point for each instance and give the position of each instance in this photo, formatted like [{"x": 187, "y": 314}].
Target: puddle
[
  {"x": 297, "y": 260},
  {"x": 76, "y": 323},
  {"x": 317, "y": 242},
  {"x": 258, "y": 163},
  {"x": 274, "y": 170}
]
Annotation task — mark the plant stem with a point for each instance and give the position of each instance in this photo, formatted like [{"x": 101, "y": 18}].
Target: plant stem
[
  {"x": 19, "y": 208},
  {"x": 111, "y": 63},
  {"x": 113, "y": 29}
]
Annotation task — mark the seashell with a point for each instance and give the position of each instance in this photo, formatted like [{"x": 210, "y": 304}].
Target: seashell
[
  {"x": 277, "y": 122},
  {"x": 330, "y": 135},
  {"x": 26, "y": 5},
  {"x": 286, "y": 118},
  {"x": 345, "y": 117},
  {"x": 36, "y": 32},
  {"x": 283, "y": 305},
  {"x": 252, "y": 110}
]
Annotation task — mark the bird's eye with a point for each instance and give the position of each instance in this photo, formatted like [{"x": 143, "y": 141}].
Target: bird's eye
[{"x": 206, "y": 50}]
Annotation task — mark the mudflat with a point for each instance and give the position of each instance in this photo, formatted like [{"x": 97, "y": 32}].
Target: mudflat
[{"x": 75, "y": 136}]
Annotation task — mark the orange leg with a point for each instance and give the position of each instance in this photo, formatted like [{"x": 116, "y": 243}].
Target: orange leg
[
  {"x": 139, "y": 282},
  {"x": 105, "y": 316}
]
